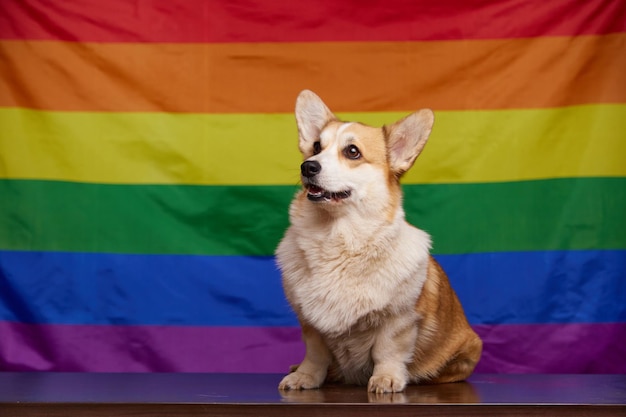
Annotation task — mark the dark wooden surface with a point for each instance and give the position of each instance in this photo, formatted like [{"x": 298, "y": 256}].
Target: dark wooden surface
[{"x": 88, "y": 394}]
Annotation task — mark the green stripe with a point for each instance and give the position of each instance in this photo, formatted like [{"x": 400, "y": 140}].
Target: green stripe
[{"x": 558, "y": 214}]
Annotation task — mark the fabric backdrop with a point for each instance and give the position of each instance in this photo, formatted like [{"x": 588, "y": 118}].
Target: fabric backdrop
[{"x": 148, "y": 154}]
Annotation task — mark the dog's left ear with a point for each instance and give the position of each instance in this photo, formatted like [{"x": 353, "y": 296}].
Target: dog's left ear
[
  {"x": 311, "y": 116},
  {"x": 406, "y": 138}
]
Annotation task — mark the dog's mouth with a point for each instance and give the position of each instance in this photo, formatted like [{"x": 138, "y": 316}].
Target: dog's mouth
[{"x": 315, "y": 193}]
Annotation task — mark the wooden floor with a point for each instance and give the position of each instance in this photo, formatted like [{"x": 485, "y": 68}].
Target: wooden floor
[{"x": 88, "y": 394}]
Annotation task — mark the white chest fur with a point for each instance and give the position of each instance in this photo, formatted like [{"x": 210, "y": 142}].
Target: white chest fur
[{"x": 336, "y": 276}]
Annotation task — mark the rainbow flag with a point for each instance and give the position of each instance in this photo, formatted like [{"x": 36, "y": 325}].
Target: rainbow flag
[{"x": 148, "y": 154}]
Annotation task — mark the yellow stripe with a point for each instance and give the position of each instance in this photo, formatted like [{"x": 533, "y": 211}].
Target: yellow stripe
[{"x": 260, "y": 149}]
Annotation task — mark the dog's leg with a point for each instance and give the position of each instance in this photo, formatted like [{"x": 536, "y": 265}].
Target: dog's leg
[
  {"x": 391, "y": 352},
  {"x": 313, "y": 369},
  {"x": 463, "y": 363}
]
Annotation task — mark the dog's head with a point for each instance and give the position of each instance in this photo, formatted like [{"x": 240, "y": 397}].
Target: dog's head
[{"x": 345, "y": 163}]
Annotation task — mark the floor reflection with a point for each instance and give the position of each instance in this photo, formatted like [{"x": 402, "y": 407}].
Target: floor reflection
[{"x": 455, "y": 393}]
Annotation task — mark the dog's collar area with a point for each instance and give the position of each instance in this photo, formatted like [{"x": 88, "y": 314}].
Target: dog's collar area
[{"x": 316, "y": 194}]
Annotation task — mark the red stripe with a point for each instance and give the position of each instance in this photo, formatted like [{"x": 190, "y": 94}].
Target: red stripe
[
  {"x": 291, "y": 21},
  {"x": 533, "y": 348}
]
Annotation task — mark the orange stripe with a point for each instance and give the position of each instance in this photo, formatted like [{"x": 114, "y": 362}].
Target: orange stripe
[{"x": 265, "y": 77}]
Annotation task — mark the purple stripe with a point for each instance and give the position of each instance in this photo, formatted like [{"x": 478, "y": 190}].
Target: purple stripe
[
  {"x": 598, "y": 348},
  {"x": 541, "y": 348},
  {"x": 104, "y": 348}
]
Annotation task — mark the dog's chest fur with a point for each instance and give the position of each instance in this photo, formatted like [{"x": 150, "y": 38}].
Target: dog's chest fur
[{"x": 346, "y": 274}]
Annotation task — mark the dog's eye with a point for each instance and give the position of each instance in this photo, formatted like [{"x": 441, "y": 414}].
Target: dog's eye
[
  {"x": 352, "y": 152},
  {"x": 317, "y": 147}
]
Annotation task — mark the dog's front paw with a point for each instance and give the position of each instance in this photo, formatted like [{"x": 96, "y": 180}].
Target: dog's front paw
[
  {"x": 386, "y": 383},
  {"x": 299, "y": 380}
]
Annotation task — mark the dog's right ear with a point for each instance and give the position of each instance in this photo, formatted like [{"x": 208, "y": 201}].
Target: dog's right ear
[{"x": 311, "y": 116}]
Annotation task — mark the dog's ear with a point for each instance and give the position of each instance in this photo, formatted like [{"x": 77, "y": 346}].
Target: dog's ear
[
  {"x": 311, "y": 116},
  {"x": 406, "y": 139}
]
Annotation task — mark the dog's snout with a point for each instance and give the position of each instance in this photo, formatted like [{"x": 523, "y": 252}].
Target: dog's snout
[{"x": 310, "y": 168}]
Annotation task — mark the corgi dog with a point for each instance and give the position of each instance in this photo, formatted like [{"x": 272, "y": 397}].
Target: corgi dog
[{"x": 374, "y": 307}]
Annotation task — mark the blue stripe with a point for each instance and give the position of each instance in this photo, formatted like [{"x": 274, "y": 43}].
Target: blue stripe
[
  {"x": 540, "y": 287},
  {"x": 87, "y": 288},
  {"x": 495, "y": 288}
]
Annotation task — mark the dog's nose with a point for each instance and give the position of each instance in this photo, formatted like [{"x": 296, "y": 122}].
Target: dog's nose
[{"x": 310, "y": 168}]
